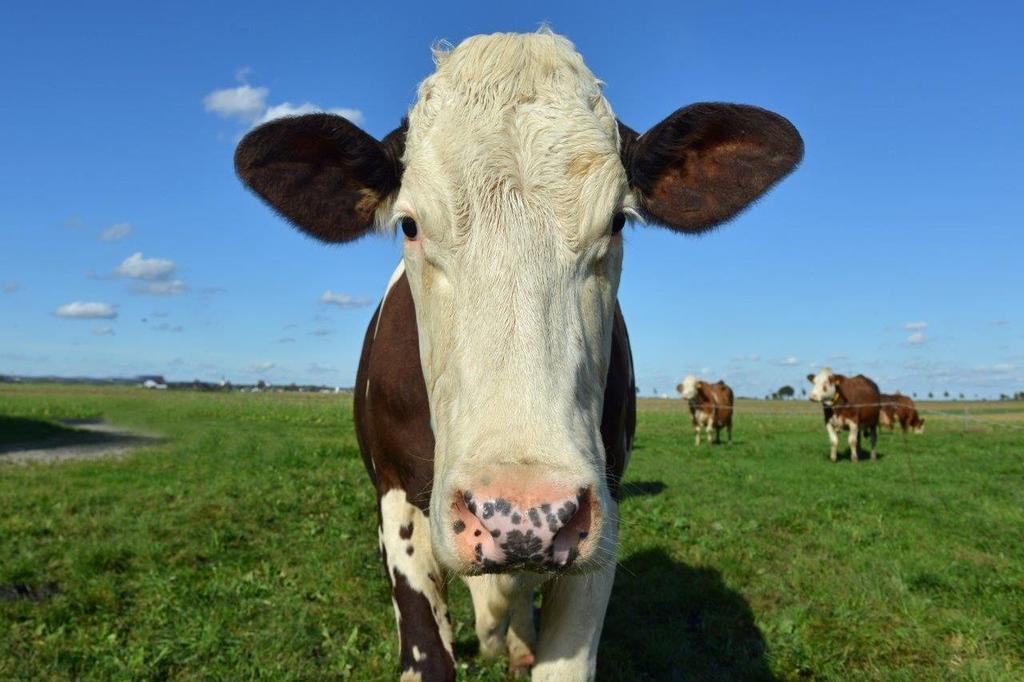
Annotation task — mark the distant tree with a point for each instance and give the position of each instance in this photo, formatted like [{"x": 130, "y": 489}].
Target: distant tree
[
  {"x": 961, "y": 396},
  {"x": 767, "y": 397},
  {"x": 945, "y": 394},
  {"x": 915, "y": 394},
  {"x": 1003, "y": 396},
  {"x": 930, "y": 396},
  {"x": 803, "y": 392},
  {"x": 786, "y": 392},
  {"x": 261, "y": 384}
]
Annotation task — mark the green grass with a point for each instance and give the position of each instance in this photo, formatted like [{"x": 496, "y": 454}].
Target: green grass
[{"x": 244, "y": 546}]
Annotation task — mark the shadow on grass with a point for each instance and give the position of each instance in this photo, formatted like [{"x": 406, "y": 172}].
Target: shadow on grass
[
  {"x": 25, "y": 435},
  {"x": 629, "y": 489},
  {"x": 670, "y": 621}
]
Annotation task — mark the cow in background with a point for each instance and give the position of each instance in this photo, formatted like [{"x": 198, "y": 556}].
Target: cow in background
[
  {"x": 899, "y": 408},
  {"x": 849, "y": 403},
  {"x": 710, "y": 407}
]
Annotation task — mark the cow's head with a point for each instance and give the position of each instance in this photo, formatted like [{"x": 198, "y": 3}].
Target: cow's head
[
  {"x": 824, "y": 385},
  {"x": 688, "y": 389},
  {"x": 511, "y": 182}
]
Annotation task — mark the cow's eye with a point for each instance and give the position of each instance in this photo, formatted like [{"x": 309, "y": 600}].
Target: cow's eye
[
  {"x": 410, "y": 228},
  {"x": 618, "y": 222}
]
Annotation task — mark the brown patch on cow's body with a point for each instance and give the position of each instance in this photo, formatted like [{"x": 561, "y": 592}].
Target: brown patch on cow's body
[{"x": 392, "y": 419}]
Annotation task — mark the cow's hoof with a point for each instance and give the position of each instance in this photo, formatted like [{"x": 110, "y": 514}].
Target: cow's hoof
[{"x": 519, "y": 666}]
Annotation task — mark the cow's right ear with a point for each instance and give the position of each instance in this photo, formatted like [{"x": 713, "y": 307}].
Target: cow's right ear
[
  {"x": 322, "y": 173},
  {"x": 679, "y": 388},
  {"x": 810, "y": 378}
]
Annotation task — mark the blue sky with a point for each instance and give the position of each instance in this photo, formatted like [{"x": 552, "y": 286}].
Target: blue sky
[{"x": 894, "y": 250}]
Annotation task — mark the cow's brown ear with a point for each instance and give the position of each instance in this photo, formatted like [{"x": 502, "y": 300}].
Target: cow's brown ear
[
  {"x": 706, "y": 162},
  {"x": 810, "y": 378},
  {"x": 321, "y": 172}
]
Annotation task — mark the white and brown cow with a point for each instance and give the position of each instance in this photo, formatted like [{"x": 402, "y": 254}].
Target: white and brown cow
[
  {"x": 711, "y": 407},
  {"x": 494, "y": 400},
  {"x": 852, "y": 403}
]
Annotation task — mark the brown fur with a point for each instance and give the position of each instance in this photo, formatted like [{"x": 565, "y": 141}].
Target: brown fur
[
  {"x": 706, "y": 162},
  {"x": 321, "y": 172},
  {"x": 857, "y": 400},
  {"x": 899, "y": 409}
]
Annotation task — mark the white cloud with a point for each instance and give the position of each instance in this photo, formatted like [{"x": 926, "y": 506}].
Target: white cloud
[
  {"x": 752, "y": 357},
  {"x": 86, "y": 310},
  {"x": 168, "y": 327},
  {"x": 103, "y": 331},
  {"x": 322, "y": 332},
  {"x": 342, "y": 300},
  {"x": 244, "y": 102},
  {"x": 791, "y": 361},
  {"x": 289, "y": 109},
  {"x": 916, "y": 339},
  {"x": 915, "y": 326},
  {"x": 10, "y": 287},
  {"x": 116, "y": 232},
  {"x": 286, "y": 339},
  {"x": 174, "y": 287},
  {"x": 248, "y": 104},
  {"x": 260, "y": 367},
  {"x": 137, "y": 266}
]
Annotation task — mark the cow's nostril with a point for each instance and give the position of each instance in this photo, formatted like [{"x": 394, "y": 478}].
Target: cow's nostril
[{"x": 503, "y": 532}]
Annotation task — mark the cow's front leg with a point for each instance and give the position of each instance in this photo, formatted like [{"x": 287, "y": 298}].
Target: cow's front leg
[
  {"x": 697, "y": 425},
  {"x": 710, "y": 428},
  {"x": 854, "y": 442},
  {"x": 503, "y": 611},
  {"x": 874, "y": 443},
  {"x": 833, "y": 440},
  {"x": 418, "y": 591},
  {"x": 572, "y": 615}
]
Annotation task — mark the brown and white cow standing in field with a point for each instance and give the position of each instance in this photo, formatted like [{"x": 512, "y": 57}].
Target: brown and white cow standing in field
[
  {"x": 898, "y": 408},
  {"x": 710, "y": 407},
  {"x": 849, "y": 403},
  {"x": 494, "y": 400}
]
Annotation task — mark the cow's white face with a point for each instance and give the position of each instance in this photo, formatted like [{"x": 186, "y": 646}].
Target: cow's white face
[
  {"x": 688, "y": 389},
  {"x": 511, "y": 181},
  {"x": 823, "y": 388},
  {"x": 515, "y": 184}
]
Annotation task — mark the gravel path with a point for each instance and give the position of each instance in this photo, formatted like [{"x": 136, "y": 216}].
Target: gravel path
[{"x": 95, "y": 440}]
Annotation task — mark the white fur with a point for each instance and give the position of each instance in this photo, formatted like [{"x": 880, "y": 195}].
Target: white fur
[
  {"x": 513, "y": 175},
  {"x": 823, "y": 388},
  {"x": 689, "y": 391}
]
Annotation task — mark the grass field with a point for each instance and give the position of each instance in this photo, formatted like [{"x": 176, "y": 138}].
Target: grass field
[{"x": 244, "y": 546}]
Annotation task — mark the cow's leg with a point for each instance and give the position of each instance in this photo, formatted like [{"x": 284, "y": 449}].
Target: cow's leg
[
  {"x": 697, "y": 424},
  {"x": 833, "y": 439},
  {"x": 873, "y": 434},
  {"x": 503, "y": 608},
  {"x": 572, "y": 615},
  {"x": 710, "y": 428},
  {"x": 418, "y": 591},
  {"x": 854, "y": 441}
]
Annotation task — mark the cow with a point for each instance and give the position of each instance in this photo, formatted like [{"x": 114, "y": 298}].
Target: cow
[
  {"x": 495, "y": 400},
  {"x": 898, "y": 408},
  {"x": 849, "y": 403},
  {"x": 710, "y": 407}
]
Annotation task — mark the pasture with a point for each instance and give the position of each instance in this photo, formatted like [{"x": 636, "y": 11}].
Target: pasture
[{"x": 243, "y": 545}]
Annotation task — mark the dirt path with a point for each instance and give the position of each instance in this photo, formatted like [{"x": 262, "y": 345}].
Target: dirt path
[{"x": 92, "y": 440}]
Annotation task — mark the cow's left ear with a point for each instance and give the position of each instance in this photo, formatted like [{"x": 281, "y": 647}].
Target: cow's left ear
[
  {"x": 706, "y": 162},
  {"x": 321, "y": 172}
]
